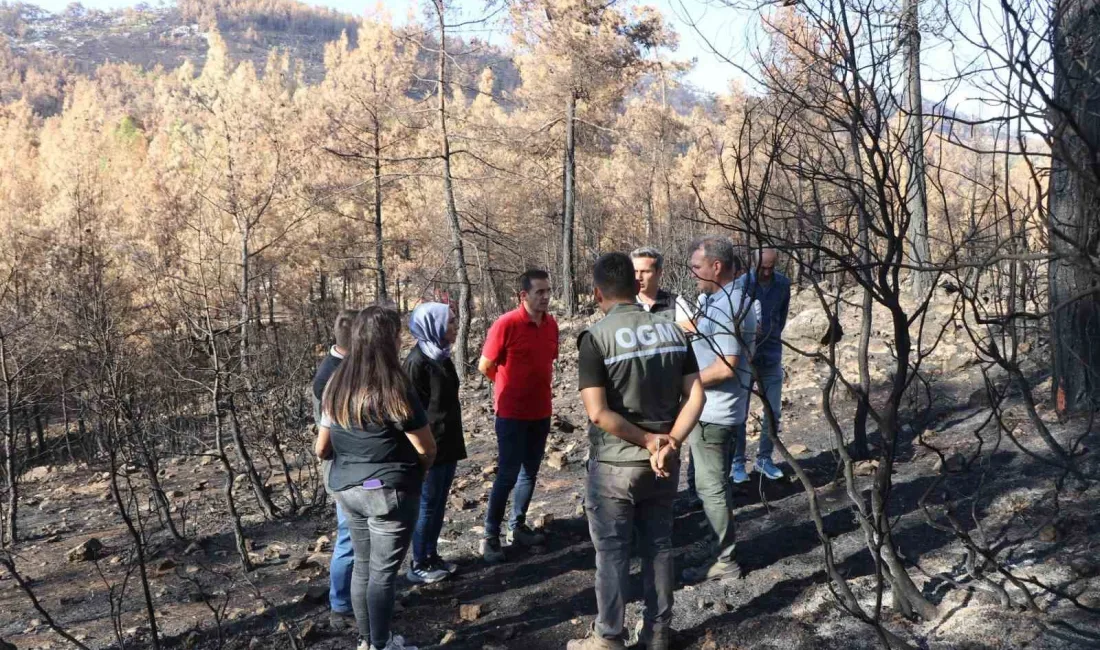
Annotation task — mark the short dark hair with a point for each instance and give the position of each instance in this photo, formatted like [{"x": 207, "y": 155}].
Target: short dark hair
[
  {"x": 527, "y": 278},
  {"x": 613, "y": 275},
  {"x": 651, "y": 253},
  {"x": 341, "y": 329},
  {"x": 718, "y": 248}
]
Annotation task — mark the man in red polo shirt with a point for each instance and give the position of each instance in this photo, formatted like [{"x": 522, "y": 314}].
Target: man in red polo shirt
[{"x": 518, "y": 358}]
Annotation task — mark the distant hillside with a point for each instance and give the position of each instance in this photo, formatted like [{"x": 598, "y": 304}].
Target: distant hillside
[
  {"x": 40, "y": 50},
  {"x": 40, "y": 43}
]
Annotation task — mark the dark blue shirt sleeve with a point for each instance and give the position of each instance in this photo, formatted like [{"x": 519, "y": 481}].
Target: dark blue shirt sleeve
[{"x": 784, "y": 307}]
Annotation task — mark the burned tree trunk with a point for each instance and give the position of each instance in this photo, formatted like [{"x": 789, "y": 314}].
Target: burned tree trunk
[{"x": 1075, "y": 206}]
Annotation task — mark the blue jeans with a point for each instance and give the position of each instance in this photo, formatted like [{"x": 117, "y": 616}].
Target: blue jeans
[
  {"x": 771, "y": 384},
  {"x": 520, "y": 446},
  {"x": 433, "y": 502},
  {"x": 340, "y": 569}
]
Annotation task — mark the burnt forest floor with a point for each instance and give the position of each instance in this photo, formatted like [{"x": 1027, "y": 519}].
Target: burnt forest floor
[{"x": 542, "y": 597}]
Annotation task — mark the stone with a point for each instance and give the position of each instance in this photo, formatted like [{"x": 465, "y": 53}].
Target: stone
[
  {"x": 564, "y": 425},
  {"x": 865, "y": 467},
  {"x": 978, "y": 399},
  {"x": 470, "y": 612},
  {"x": 1048, "y": 534},
  {"x": 191, "y": 641},
  {"x": 556, "y": 460},
  {"x": 36, "y": 474},
  {"x": 1084, "y": 566},
  {"x": 86, "y": 552},
  {"x": 543, "y": 520},
  {"x": 178, "y": 494},
  {"x": 458, "y": 502},
  {"x": 166, "y": 565},
  {"x": 322, "y": 545},
  {"x": 272, "y": 551},
  {"x": 196, "y": 597},
  {"x": 807, "y": 324},
  {"x": 797, "y": 449},
  {"x": 448, "y": 637},
  {"x": 309, "y": 632},
  {"x": 954, "y": 462},
  {"x": 315, "y": 595},
  {"x": 708, "y": 641},
  {"x": 306, "y": 562}
]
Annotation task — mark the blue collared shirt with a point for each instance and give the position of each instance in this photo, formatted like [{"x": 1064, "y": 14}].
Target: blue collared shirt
[{"x": 726, "y": 327}]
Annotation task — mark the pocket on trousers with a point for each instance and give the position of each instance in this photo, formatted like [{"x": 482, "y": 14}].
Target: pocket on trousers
[{"x": 379, "y": 502}]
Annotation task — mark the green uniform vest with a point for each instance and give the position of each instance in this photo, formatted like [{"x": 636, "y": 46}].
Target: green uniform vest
[{"x": 644, "y": 355}]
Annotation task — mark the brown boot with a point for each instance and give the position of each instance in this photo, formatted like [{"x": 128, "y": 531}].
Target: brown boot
[
  {"x": 595, "y": 642},
  {"x": 649, "y": 639}
]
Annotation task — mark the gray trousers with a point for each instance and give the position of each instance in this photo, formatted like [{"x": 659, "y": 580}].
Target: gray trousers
[
  {"x": 618, "y": 500},
  {"x": 381, "y": 523},
  {"x": 710, "y": 457}
]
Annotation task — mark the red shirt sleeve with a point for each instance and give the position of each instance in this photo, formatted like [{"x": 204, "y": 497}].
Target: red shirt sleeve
[
  {"x": 494, "y": 341},
  {"x": 557, "y": 338}
]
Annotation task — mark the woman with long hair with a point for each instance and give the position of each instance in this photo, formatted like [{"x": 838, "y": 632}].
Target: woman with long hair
[
  {"x": 435, "y": 380},
  {"x": 376, "y": 432}
]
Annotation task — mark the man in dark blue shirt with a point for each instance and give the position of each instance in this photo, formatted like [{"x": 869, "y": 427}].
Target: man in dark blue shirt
[
  {"x": 772, "y": 290},
  {"x": 340, "y": 569}
]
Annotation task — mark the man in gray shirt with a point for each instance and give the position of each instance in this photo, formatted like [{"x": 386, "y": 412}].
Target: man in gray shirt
[{"x": 725, "y": 327}]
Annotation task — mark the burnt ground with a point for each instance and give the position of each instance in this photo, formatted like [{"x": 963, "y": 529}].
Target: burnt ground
[{"x": 543, "y": 597}]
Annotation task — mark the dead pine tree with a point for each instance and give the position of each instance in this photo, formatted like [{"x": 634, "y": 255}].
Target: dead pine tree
[{"x": 458, "y": 248}]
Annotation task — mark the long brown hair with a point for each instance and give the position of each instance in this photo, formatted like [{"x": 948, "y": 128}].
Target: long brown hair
[{"x": 370, "y": 385}]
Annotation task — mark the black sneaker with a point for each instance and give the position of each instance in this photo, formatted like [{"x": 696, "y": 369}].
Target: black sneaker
[
  {"x": 425, "y": 573},
  {"x": 440, "y": 563},
  {"x": 523, "y": 536}
]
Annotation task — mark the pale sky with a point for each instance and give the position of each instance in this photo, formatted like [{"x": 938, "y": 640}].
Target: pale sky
[{"x": 734, "y": 32}]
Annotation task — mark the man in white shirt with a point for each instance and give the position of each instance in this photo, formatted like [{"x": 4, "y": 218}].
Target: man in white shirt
[{"x": 649, "y": 266}]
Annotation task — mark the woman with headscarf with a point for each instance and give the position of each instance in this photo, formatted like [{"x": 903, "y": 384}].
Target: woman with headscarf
[{"x": 435, "y": 381}]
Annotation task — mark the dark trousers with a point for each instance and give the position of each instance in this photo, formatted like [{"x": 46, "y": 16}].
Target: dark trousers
[
  {"x": 433, "y": 503},
  {"x": 618, "y": 500},
  {"x": 381, "y": 523},
  {"x": 520, "y": 446}
]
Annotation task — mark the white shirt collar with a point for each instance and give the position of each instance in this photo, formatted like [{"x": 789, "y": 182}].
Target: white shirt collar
[{"x": 334, "y": 353}]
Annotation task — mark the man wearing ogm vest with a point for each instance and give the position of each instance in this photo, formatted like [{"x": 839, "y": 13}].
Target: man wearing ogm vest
[{"x": 639, "y": 382}]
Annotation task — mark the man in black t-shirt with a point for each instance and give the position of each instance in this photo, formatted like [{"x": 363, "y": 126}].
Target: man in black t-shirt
[
  {"x": 340, "y": 568},
  {"x": 639, "y": 382}
]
